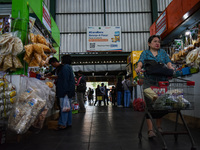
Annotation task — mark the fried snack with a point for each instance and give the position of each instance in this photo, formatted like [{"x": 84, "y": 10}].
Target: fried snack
[
  {"x": 50, "y": 84},
  {"x": 28, "y": 58},
  {"x": 38, "y": 57},
  {"x": 1, "y": 59},
  {"x": 33, "y": 63},
  {"x": 53, "y": 50},
  {"x": 41, "y": 39},
  {"x": 17, "y": 47},
  {"x": 45, "y": 48},
  {"x": 49, "y": 45},
  {"x": 33, "y": 38},
  {"x": 42, "y": 63},
  {"x": 44, "y": 56},
  {"x": 17, "y": 63},
  {"x": 29, "y": 49},
  {"x": 7, "y": 62},
  {"x": 38, "y": 49}
]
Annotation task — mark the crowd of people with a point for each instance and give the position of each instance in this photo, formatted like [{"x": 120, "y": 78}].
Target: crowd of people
[{"x": 119, "y": 95}]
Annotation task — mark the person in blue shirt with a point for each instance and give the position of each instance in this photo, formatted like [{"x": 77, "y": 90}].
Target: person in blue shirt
[{"x": 159, "y": 55}]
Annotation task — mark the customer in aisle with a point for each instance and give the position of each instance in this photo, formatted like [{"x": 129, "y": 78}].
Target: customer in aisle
[
  {"x": 57, "y": 65},
  {"x": 159, "y": 55},
  {"x": 127, "y": 93},
  {"x": 65, "y": 90},
  {"x": 113, "y": 95},
  {"x": 106, "y": 95},
  {"x": 119, "y": 90},
  {"x": 81, "y": 89},
  {"x": 90, "y": 93},
  {"x": 98, "y": 93},
  {"x": 103, "y": 92}
]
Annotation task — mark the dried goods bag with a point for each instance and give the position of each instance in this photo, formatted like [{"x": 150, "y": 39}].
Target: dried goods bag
[
  {"x": 28, "y": 49},
  {"x": 16, "y": 62},
  {"x": 38, "y": 49},
  {"x": 191, "y": 56},
  {"x": 17, "y": 46},
  {"x": 41, "y": 39},
  {"x": 7, "y": 62},
  {"x": 24, "y": 114}
]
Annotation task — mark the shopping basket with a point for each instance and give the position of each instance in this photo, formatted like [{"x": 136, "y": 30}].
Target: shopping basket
[{"x": 165, "y": 97}]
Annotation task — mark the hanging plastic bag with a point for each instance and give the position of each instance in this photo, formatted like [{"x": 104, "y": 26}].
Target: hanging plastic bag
[
  {"x": 139, "y": 104},
  {"x": 66, "y": 104}
]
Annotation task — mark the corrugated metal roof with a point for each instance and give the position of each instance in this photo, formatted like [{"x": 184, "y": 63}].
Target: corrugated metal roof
[
  {"x": 162, "y": 4},
  {"x": 74, "y": 16},
  {"x": 5, "y": 9}
]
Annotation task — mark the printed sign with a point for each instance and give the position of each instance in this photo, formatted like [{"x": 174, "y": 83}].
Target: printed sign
[
  {"x": 46, "y": 18},
  {"x": 104, "y": 38}
]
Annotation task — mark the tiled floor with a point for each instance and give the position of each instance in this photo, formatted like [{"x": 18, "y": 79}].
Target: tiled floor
[{"x": 103, "y": 128}]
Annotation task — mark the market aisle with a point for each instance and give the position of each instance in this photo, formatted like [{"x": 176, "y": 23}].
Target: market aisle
[{"x": 102, "y": 128}]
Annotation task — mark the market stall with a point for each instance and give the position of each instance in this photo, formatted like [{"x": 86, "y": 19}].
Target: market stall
[
  {"x": 132, "y": 60},
  {"x": 28, "y": 38},
  {"x": 179, "y": 28}
]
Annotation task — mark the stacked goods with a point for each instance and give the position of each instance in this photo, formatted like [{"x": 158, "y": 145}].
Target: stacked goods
[
  {"x": 193, "y": 57},
  {"x": 10, "y": 47},
  {"x": 36, "y": 52},
  {"x": 27, "y": 107},
  {"x": 26, "y": 111},
  {"x": 181, "y": 55},
  {"x": 7, "y": 97},
  {"x": 34, "y": 100}
]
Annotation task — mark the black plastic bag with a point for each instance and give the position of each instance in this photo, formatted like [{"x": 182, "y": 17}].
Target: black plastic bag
[{"x": 155, "y": 68}]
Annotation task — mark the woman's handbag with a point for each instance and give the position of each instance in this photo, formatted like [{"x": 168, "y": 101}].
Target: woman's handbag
[{"x": 155, "y": 68}]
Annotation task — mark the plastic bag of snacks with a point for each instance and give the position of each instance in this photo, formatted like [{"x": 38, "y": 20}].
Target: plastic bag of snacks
[{"x": 25, "y": 113}]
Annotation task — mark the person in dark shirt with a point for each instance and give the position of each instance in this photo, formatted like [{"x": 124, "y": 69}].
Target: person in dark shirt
[
  {"x": 54, "y": 63},
  {"x": 113, "y": 94},
  {"x": 65, "y": 90},
  {"x": 119, "y": 89},
  {"x": 81, "y": 89}
]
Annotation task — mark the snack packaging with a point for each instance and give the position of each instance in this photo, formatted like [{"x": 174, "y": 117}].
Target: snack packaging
[
  {"x": 38, "y": 57},
  {"x": 7, "y": 62},
  {"x": 16, "y": 62},
  {"x": 28, "y": 49},
  {"x": 41, "y": 39},
  {"x": 38, "y": 49}
]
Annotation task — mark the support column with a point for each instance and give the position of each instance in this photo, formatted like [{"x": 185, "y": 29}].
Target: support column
[{"x": 154, "y": 10}]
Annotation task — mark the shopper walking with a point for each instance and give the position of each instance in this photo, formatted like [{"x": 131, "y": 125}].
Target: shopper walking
[
  {"x": 81, "y": 89},
  {"x": 103, "y": 92},
  {"x": 106, "y": 95},
  {"x": 127, "y": 94},
  {"x": 90, "y": 95},
  {"x": 113, "y": 95},
  {"x": 65, "y": 90},
  {"x": 159, "y": 55},
  {"x": 119, "y": 90}
]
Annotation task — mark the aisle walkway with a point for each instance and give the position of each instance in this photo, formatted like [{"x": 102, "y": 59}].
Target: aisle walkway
[{"x": 103, "y": 128}]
